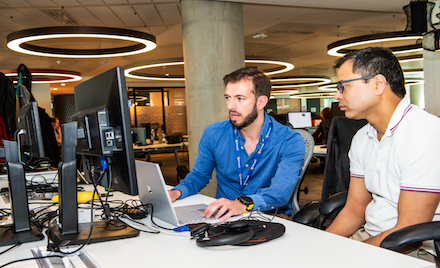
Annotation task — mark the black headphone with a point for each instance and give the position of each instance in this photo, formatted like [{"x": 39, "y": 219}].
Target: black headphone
[{"x": 234, "y": 233}]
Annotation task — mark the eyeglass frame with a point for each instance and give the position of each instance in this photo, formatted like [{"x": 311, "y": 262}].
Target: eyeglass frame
[{"x": 340, "y": 87}]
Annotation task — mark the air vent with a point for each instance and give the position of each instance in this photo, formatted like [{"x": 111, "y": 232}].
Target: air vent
[{"x": 62, "y": 16}]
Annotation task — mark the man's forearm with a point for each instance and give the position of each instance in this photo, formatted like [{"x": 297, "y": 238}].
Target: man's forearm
[{"x": 346, "y": 223}]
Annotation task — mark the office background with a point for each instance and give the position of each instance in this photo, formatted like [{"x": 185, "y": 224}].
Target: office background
[{"x": 212, "y": 38}]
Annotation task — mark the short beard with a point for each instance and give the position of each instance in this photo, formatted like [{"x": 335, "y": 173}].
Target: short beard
[{"x": 249, "y": 119}]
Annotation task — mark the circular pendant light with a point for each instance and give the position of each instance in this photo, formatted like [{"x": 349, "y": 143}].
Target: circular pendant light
[
  {"x": 46, "y": 76},
  {"x": 342, "y": 47},
  {"x": 130, "y": 70},
  {"x": 21, "y": 41}
]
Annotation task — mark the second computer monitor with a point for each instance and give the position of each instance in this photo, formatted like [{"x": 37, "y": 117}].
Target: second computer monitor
[{"x": 300, "y": 119}]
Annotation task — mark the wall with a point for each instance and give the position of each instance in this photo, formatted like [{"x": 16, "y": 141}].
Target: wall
[
  {"x": 175, "y": 117},
  {"x": 42, "y": 95}
]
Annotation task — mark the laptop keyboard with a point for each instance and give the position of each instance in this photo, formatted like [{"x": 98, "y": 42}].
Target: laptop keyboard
[{"x": 187, "y": 215}]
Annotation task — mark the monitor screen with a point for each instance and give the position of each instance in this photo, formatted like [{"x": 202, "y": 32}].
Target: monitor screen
[
  {"x": 300, "y": 119},
  {"x": 104, "y": 129},
  {"x": 29, "y": 134}
]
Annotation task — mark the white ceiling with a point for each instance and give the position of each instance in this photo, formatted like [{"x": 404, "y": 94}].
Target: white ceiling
[{"x": 298, "y": 30}]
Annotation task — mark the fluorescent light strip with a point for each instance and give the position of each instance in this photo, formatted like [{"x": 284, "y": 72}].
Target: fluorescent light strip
[{"x": 128, "y": 70}]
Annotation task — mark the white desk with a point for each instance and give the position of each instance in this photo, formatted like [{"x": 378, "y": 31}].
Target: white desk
[
  {"x": 300, "y": 246},
  {"x": 318, "y": 150},
  {"x": 160, "y": 147}
]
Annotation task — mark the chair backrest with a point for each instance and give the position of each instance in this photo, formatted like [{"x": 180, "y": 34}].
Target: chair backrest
[
  {"x": 309, "y": 144},
  {"x": 337, "y": 164}
]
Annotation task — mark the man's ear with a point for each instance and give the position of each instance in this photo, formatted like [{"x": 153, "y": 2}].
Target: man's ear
[
  {"x": 262, "y": 102},
  {"x": 381, "y": 83}
]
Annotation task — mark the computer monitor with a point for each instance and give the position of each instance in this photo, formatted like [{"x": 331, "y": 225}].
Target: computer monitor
[
  {"x": 104, "y": 141},
  {"x": 104, "y": 123},
  {"x": 29, "y": 135},
  {"x": 300, "y": 119}
]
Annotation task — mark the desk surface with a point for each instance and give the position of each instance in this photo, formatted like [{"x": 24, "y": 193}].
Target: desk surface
[
  {"x": 319, "y": 151},
  {"x": 300, "y": 246},
  {"x": 160, "y": 146}
]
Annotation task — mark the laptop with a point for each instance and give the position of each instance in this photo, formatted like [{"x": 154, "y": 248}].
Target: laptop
[{"x": 152, "y": 190}]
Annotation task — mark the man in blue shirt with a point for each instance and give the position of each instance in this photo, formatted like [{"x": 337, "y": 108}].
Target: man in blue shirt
[{"x": 257, "y": 160}]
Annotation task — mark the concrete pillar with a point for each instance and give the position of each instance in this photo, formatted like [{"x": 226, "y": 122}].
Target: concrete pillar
[
  {"x": 213, "y": 46},
  {"x": 42, "y": 95},
  {"x": 431, "y": 66}
]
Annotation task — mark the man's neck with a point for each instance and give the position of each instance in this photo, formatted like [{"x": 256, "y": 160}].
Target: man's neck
[
  {"x": 382, "y": 118},
  {"x": 251, "y": 133}
]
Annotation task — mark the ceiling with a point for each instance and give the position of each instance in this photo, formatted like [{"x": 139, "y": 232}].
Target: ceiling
[{"x": 298, "y": 31}]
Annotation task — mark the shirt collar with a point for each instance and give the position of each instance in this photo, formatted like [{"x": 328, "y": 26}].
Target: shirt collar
[
  {"x": 401, "y": 110},
  {"x": 263, "y": 130}
]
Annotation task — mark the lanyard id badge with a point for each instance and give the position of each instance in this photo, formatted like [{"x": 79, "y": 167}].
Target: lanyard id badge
[{"x": 244, "y": 182}]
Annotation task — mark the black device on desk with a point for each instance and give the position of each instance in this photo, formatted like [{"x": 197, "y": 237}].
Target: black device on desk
[
  {"x": 28, "y": 140},
  {"x": 102, "y": 131}
]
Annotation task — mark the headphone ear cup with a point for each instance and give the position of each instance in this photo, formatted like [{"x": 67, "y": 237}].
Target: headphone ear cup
[{"x": 222, "y": 240}]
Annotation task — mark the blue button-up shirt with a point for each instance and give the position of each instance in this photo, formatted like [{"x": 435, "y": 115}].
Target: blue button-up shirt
[{"x": 274, "y": 177}]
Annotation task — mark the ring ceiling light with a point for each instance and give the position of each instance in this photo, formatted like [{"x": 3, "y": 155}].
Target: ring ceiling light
[
  {"x": 329, "y": 87},
  {"x": 410, "y": 59},
  {"x": 20, "y": 41},
  {"x": 46, "y": 76},
  {"x": 408, "y": 81},
  {"x": 129, "y": 70},
  {"x": 340, "y": 48},
  {"x": 302, "y": 81},
  {"x": 283, "y": 92},
  {"x": 313, "y": 96}
]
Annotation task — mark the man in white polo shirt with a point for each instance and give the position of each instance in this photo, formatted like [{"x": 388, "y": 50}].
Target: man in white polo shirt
[{"x": 395, "y": 173}]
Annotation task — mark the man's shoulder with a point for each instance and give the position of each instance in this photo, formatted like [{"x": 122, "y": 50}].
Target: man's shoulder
[
  {"x": 219, "y": 128},
  {"x": 283, "y": 132}
]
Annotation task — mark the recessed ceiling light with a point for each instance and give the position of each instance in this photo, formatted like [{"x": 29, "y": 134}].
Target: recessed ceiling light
[{"x": 259, "y": 36}]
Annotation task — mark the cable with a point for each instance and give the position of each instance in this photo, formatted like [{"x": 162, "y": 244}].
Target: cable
[
  {"x": 16, "y": 245},
  {"x": 29, "y": 259}
]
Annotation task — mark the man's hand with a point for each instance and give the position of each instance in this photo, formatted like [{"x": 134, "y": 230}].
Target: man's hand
[
  {"x": 226, "y": 209},
  {"x": 174, "y": 194}
]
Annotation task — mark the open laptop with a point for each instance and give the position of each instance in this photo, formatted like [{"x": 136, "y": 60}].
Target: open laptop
[{"x": 152, "y": 190}]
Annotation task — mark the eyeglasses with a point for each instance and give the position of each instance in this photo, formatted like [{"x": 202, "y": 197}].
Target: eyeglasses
[{"x": 341, "y": 88}]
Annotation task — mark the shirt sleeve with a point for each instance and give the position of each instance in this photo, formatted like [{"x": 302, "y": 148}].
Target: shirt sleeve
[
  {"x": 356, "y": 169},
  {"x": 201, "y": 173},
  {"x": 287, "y": 175}
]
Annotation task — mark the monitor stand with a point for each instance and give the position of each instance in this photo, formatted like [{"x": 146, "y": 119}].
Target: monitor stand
[
  {"x": 68, "y": 231},
  {"x": 21, "y": 230},
  {"x": 101, "y": 232}
]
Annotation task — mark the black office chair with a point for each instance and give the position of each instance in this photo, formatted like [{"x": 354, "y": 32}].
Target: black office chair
[{"x": 336, "y": 174}]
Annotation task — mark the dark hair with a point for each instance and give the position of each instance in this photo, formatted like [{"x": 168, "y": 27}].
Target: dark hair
[
  {"x": 377, "y": 60},
  {"x": 262, "y": 85},
  {"x": 54, "y": 119},
  {"x": 326, "y": 113}
]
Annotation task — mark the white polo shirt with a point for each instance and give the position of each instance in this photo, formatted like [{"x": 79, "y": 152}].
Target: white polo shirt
[{"x": 406, "y": 158}]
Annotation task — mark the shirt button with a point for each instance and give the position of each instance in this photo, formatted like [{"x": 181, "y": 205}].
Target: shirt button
[
  {"x": 242, "y": 147},
  {"x": 246, "y": 165}
]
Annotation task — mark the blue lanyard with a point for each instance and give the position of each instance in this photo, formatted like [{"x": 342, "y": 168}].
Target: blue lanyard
[{"x": 254, "y": 162}]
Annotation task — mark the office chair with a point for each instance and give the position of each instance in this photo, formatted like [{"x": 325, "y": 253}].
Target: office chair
[
  {"x": 309, "y": 144},
  {"x": 336, "y": 174}
]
